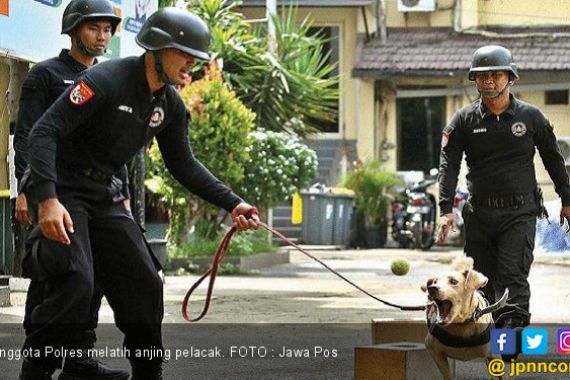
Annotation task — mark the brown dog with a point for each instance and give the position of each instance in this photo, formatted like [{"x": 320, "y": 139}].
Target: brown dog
[{"x": 453, "y": 301}]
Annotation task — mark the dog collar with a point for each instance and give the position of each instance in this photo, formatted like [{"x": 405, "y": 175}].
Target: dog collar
[
  {"x": 451, "y": 340},
  {"x": 491, "y": 309}
]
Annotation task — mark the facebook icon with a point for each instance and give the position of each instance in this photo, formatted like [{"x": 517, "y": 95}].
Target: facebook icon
[{"x": 503, "y": 341}]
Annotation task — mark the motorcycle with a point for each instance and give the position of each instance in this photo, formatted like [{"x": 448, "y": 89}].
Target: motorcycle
[{"x": 413, "y": 217}]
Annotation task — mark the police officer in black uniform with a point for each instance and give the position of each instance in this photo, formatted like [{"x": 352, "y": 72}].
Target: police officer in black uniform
[
  {"x": 90, "y": 24},
  {"x": 498, "y": 134},
  {"x": 112, "y": 111}
]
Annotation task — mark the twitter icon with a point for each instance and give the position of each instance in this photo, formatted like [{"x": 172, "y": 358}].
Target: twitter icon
[{"x": 534, "y": 341}]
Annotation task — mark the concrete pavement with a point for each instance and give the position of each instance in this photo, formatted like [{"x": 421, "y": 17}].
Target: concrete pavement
[{"x": 301, "y": 305}]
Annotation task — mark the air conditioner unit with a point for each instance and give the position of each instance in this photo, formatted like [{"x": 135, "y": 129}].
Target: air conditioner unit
[
  {"x": 417, "y": 5},
  {"x": 564, "y": 144}
]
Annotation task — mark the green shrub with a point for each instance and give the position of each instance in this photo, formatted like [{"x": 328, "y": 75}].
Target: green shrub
[
  {"x": 243, "y": 244},
  {"x": 218, "y": 131},
  {"x": 279, "y": 164},
  {"x": 373, "y": 190}
]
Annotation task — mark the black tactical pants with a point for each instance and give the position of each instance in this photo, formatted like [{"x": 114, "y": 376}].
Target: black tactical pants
[
  {"x": 107, "y": 246},
  {"x": 501, "y": 242},
  {"x": 35, "y": 294}
]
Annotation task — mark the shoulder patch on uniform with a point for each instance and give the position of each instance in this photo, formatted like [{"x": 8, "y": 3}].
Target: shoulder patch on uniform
[{"x": 81, "y": 93}]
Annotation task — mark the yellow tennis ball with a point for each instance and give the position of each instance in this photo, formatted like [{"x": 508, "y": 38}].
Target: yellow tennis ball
[{"x": 400, "y": 267}]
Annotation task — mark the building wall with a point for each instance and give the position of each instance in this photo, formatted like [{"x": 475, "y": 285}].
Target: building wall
[
  {"x": 443, "y": 17},
  {"x": 523, "y": 12},
  {"x": 483, "y": 13},
  {"x": 4, "y": 126},
  {"x": 559, "y": 115}
]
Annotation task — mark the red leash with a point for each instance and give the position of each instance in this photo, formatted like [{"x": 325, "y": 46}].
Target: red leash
[{"x": 221, "y": 253}]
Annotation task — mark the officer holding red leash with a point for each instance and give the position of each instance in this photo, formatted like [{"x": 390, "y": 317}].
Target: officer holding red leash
[{"x": 99, "y": 124}]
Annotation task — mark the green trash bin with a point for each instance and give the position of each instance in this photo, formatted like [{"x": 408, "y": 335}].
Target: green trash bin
[{"x": 318, "y": 218}]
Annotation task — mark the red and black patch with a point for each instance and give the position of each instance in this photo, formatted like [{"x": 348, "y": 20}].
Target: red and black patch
[{"x": 81, "y": 93}]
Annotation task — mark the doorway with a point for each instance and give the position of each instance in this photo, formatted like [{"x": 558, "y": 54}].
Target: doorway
[{"x": 420, "y": 122}]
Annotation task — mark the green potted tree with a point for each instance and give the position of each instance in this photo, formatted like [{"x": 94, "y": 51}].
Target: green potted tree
[{"x": 373, "y": 190}]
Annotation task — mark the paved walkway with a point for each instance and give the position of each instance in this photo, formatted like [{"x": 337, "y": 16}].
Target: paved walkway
[{"x": 303, "y": 306}]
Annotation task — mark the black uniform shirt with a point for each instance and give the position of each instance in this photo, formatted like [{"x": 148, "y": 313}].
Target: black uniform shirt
[
  {"x": 43, "y": 85},
  {"x": 45, "y": 82},
  {"x": 105, "y": 118},
  {"x": 499, "y": 151}
]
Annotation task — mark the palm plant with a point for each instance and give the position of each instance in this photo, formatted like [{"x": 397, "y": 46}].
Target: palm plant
[{"x": 289, "y": 89}]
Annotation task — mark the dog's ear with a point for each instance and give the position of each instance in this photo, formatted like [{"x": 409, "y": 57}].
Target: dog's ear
[
  {"x": 475, "y": 280},
  {"x": 462, "y": 264}
]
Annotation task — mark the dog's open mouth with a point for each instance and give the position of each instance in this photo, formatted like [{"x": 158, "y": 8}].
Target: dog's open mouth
[{"x": 443, "y": 311}]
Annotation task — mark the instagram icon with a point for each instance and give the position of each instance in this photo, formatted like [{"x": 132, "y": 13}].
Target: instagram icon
[{"x": 563, "y": 341}]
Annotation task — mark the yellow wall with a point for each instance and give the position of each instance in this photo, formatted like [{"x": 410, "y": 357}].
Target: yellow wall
[
  {"x": 440, "y": 18},
  {"x": 483, "y": 13},
  {"x": 4, "y": 127},
  {"x": 365, "y": 122},
  {"x": 560, "y": 116},
  {"x": 523, "y": 12}
]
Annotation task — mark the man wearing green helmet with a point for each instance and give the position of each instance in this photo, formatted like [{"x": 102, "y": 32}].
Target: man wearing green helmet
[
  {"x": 113, "y": 110},
  {"x": 499, "y": 135}
]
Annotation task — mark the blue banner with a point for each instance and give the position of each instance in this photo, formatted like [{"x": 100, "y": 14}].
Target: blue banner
[{"x": 22, "y": 36}]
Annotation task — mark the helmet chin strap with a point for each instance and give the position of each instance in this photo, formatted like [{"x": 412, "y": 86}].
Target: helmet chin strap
[
  {"x": 159, "y": 69},
  {"x": 84, "y": 49},
  {"x": 495, "y": 94}
]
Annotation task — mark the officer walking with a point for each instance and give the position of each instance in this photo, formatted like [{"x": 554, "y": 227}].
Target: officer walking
[
  {"x": 498, "y": 134},
  {"x": 90, "y": 24},
  {"x": 90, "y": 132}
]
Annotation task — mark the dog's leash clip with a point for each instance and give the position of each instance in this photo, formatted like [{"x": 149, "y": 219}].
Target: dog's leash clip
[{"x": 492, "y": 308}]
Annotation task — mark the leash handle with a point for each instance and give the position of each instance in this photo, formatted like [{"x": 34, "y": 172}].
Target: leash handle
[
  {"x": 212, "y": 272},
  {"x": 221, "y": 252}
]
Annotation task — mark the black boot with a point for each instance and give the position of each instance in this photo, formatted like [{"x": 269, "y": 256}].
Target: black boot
[
  {"x": 87, "y": 368},
  {"x": 33, "y": 371},
  {"x": 147, "y": 371}
]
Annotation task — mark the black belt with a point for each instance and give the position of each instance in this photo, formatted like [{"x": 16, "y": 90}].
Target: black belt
[
  {"x": 504, "y": 201},
  {"x": 94, "y": 174}
]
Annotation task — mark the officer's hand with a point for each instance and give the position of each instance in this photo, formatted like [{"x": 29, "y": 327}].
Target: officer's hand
[
  {"x": 245, "y": 217},
  {"x": 446, "y": 223},
  {"x": 22, "y": 213},
  {"x": 55, "y": 220},
  {"x": 565, "y": 215}
]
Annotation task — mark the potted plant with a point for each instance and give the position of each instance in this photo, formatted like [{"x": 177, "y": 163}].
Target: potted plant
[{"x": 373, "y": 190}]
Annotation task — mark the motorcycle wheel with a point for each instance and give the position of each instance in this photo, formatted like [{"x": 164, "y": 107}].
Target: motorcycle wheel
[
  {"x": 428, "y": 236},
  {"x": 417, "y": 231}
]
